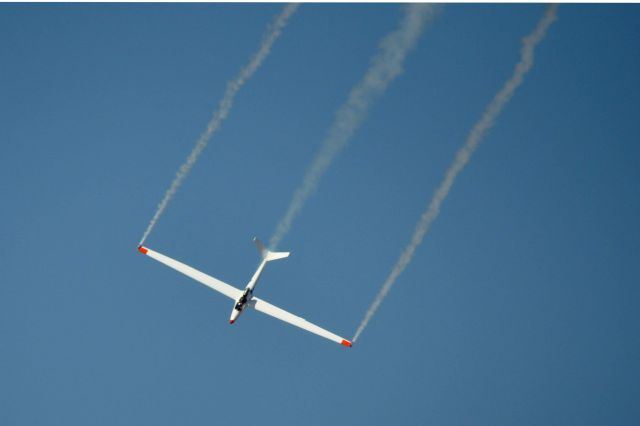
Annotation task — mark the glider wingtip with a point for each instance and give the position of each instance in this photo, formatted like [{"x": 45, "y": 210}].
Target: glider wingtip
[
  {"x": 142, "y": 249},
  {"x": 347, "y": 343}
]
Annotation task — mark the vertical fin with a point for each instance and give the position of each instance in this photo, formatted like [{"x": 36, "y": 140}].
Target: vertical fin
[{"x": 261, "y": 248}]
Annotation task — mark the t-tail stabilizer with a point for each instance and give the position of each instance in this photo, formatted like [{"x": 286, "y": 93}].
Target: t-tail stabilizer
[{"x": 269, "y": 255}]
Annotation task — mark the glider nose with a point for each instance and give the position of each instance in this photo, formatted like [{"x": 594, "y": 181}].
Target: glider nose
[
  {"x": 234, "y": 316},
  {"x": 142, "y": 250}
]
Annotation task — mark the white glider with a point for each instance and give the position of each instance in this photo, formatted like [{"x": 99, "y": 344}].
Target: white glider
[{"x": 245, "y": 298}]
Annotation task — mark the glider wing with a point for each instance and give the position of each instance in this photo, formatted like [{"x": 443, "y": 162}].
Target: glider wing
[
  {"x": 281, "y": 314},
  {"x": 214, "y": 283}
]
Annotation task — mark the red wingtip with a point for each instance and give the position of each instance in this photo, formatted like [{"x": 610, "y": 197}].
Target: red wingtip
[
  {"x": 347, "y": 343},
  {"x": 142, "y": 250},
  {"x": 231, "y": 321}
]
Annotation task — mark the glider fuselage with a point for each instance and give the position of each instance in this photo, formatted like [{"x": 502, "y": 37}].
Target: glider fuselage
[{"x": 242, "y": 301}]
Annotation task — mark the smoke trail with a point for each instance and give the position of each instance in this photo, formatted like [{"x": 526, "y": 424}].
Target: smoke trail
[
  {"x": 233, "y": 86},
  {"x": 385, "y": 66},
  {"x": 462, "y": 158}
]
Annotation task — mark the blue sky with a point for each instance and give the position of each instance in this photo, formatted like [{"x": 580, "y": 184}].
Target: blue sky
[{"x": 520, "y": 307}]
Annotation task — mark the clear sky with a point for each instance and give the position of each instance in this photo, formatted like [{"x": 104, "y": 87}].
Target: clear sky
[{"x": 520, "y": 307}]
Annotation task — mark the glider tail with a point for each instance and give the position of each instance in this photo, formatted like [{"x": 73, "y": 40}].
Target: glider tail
[{"x": 269, "y": 255}]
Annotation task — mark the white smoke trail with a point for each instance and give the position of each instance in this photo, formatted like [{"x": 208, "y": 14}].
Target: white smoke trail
[
  {"x": 462, "y": 158},
  {"x": 233, "y": 86},
  {"x": 385, "y": 66}
]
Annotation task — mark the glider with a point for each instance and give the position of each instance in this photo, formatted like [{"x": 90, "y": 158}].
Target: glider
[{"x": 245, "y": 298}]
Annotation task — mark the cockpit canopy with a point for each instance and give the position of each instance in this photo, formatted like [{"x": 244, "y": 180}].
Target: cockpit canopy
[{"x": 243, "y": 299}]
